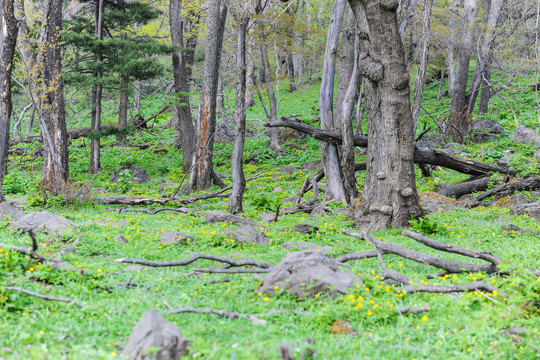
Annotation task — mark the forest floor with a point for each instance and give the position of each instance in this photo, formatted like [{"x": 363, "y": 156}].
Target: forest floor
[{"x": 473, "y": 325}]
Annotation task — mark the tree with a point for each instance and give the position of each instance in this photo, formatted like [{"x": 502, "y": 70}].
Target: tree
[
  {"x": 8, "y": 39},
  {"x": 390, "y": 198}
]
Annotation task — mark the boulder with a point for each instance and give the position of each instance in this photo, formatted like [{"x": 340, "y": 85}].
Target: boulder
[
  {"x": 173, "y": 237},
  {"x": 153, "y": 332},
  {"x": 305, "y": 245},
  {"x": 9, "y": 210},
  {"x": 513, "y": 201},
  {"x": 248, "y": 234},
  {"x": 139, "y": 175},
  {"x": 480, "y": 138},
  {"x": 278, "y": 189},
  {"x": 43, "y": 221},
  {"x": 307, "y": 273},
  {"x": 515, "y": 228},
  {"x": 433, "y": 202},
  {"x": 267, "y": 217},
  {"x": 489, "y": 126},
  {"x": 524, "y": 135},
  {"x": 288, "y": 169},
  {"x": 121, "y": 238},
  {"x": 215, "y": 216},
  {"x": 306, "y": 229},
  {"x": 530, "y": 209}
]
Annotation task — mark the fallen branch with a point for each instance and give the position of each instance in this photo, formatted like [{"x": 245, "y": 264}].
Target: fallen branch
[
  {"x": 465, "y": 187},
  {"x": 255, "y": 319},
  {"x": 44, "y": 297},
  {"x": 232, "y": 263},
  {"x": 26, "y": 251},
  {"x": 475, "y": 286},
  {"x": 411, "y": 310},
  {"x": 357, "y": 256},
  {"x": 532, "y": 183},
  {"x": 141, "y": 200}
]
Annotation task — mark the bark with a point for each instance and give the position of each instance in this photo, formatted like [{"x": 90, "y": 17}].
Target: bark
[
  {"x": 123, "y": 107},
  {"x": 465, "y": 187},
  {"x": 191, "y": 33},
  {"x": 202, "y": 168},
  {"x": 346, "y": 63},
  {"x": 239, "y": 180},
  {"x": 30, "y": 124},
  {"x": 137, "y": 96},
  {"x": 390, "y": 198},
  {"x": 8, "y": 40},
  {"x": 272, "y": 102},
  {"x": 97, "y": 90},
  {"x": 330, "y": 157},
  {"x": 184, "y": 124},
  {"x": 424, "y": 57},
  {"x": 501, "y": 191},
  {"x": 460, "y": 113}
]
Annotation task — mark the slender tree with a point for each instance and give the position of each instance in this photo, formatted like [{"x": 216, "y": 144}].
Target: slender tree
[{"x": 97, "y": 90}]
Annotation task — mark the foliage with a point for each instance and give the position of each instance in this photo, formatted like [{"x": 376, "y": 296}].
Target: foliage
[
  {"x": 426, "y": 226},
  {"x": 264, "y": 203}
]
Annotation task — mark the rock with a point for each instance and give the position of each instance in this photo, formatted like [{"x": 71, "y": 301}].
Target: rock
[
  {"x": 524, "y": 135},
  {"x": 139, "y": 175},
  {"x": 433, "y": 202},
  {"x": 153, "y": 332},
  {"x": 513, "y": 201},
  {"x": 306, "y": 229},
  {"x": 173, "y": 237},
  {"x": 489, "y": 126},
  {"x": 342, "y": 327},
  {"x": 9, "y": 210},
  {"x": 312, "y": 165},
  {"x": 530, "y": 209},
  {"x": 43, "y": 221},
  {"x": 288, "y": 169},
  {"x": 121, "y": 238},
  {"x": 480, "y": 138},
  {"x": 215, "y": 216},
  {"x": 69, "y": 249},
  {"x": 305, "y": 245},
  {"x": 134, "y": 268},
  {"x": 536, "y": 155},
  {"x": 515, "y": 228},
  {"x": 307, "y": 273},
  {"x": 267, "y": 217},
  {"x": 278, "y": 189},
  {"x": 248, "y": 234}
]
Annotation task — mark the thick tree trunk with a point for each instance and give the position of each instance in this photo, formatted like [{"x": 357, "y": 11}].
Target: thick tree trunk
[
  {"x": 184, "y": 124},
  {"x": 202, "y": 167},
  {"x": 424, "y": 56},
  {"x": 346, "y": 63},
  {"x": 460, "y": 114},
  {"x": 390, "y": 198},
  {"x": 97, "y": 90},
  {"x": 330, "y": 157},
  {"x": 123, "y": 107},
  {"x": 191, "y": 33},
  {"x": 239, "y": 180},
  {"x": 8, "y": 40}
]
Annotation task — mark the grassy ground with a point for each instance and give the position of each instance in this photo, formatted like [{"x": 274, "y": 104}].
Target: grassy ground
[{"x": 471, "y": 326}]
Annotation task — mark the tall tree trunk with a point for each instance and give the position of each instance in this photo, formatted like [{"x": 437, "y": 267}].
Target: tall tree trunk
[
  {"x": 424, "y": 56},
  {"x": 390, "y": 198},
  {"x": 137, "y": 96},
  {"x": 191, "y": 32},
  {"x": 460, "y": 114},
  {"x": 31, "y": 116},
  {"x": 346, "y": 63},
  {"x": 202, "y": 173},
  {"x": 123, "y": 107},
  {"x": 8, "y": 40},
  {"x": 330, "y": 157},
  {"x": 184, "y": 125},
  {"x": 97, "y": 90},
  {"x": 239, "y": 180},
  {"x": 272, "y": 102}
]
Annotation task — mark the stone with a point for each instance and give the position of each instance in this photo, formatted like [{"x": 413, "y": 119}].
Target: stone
[
  {"x": 43, "y": 221},
  {"x": 69, "y": 249},
  {"x": 480, "y": 138},
  {"x": 305, "y": 245},
  {"x": 306, "y": 229},
  {"x": 433, "y": 202},
  {"x": 173, "y": 237},
  {"x": 342, "y": 327},
  {"x": 139, "y": 175},
  {"x": 530, "y": 209},
  {"x": 267, "y": 217},
  {"x": 489, "y": 126},
  {"x": 134, "y": 268},
  {"x": 513, "y": 201},
  {"x": 121, "y": 238},
  {"x": 9, "y": 210},
  {"x": 524, "y": 135},
  {"x": 153, "y": 332},
  {"x": 278, "y": 189},
  {"x": 312, "y": 165},
  {"x": 288, "y": 169},
  {"x": 308, "y": 273},
  {"x": 515, "y": 228},
  {"x": 215, "y": 216},
  {"x": 536, "y": 155},
  {"x": 248, "y": 234}
]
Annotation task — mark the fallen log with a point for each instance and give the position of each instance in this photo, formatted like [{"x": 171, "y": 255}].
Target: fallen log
[
  {"x": 507, "y": 189},
  {"x": 72, "y": 134},
  {"x": 142, "y": 200},
  {"x": 421, "y": 155},
  {"x": 465, "y": 187}
]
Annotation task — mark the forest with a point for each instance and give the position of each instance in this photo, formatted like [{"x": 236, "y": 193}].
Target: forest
[{"x": 269, "y": 179}]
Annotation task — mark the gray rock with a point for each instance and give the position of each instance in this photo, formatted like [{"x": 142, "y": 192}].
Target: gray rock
[
  {"x": 312, "y": 165},
  {"x": 530, "y": 209},
  {"x": 277, "y": 189},
  {"x": 267, "y": 217},
  {"x": 215, "y": 216},
  {"x": 134, "y": 268},
  {"x": 480, "y": 138},
  {"x": 248, "y": 234},
  {"x": 9, "y": 210},
  {"x": 307, "y": 273},
  {"x": 43, "y": 221},
  {"x": 489, "y": 126},
  {"x": 305, "y": 245},
  {"x": 514, "y": 201},
  {"x": 306, "y": 229},
  {"x": 173, "y": 237},
  {"x": 69, "y": 249},
  {"x": 536, "y": 155},
  {"x": 515, "y": 228},
  {"x": 288, "y": 169},
  {"x": 433, "y": 202},
  {"x": 154, "y": 331},
  {"x": 524, "y": 135},
  {"x": 139, "y": 175},
  {"x": 121, "y": 238}
]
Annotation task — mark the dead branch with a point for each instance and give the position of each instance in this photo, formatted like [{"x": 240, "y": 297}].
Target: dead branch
[
  {"x": 528, "y": 184},
  {"x": 357, "y": 256},
  {"x": 232, "y": 263},
  {"x": 465, "y": 187},
  {"x": 227, "y": 270},
  {"x": 44, "y": 297},
  {"x": 411, "y": 310},
  {"x": 475, "y": 286},
  {"x": 233, "y": 315},
  {"x": 26, "y": 251},
  {"x": 141, "y": 200}
]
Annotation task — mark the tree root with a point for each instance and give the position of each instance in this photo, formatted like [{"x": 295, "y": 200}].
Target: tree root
[{"x": 232, "y": 263}]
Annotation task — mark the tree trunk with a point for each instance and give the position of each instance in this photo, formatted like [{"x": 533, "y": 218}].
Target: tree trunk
[
  {"x": 346, "y": 63},
  {"x": 123, "y": 107},
  {"x": 184, "y": 124},
  {"x": 390, "y": 198},
  {"x": 8, "y": 40},
  {"x": 97, "y": 90},
  {"x": 460, "y": 114},
  {"x": 191, "y": 32},
  {"x": 330, "y": 157},
  {"x": 424, "y": 56},
  {"x": 239, "y": 180},
  {"x": 202, "y": 172},
  {"x": 272, "y": 102},
  {"x": 137, "y": 96}
]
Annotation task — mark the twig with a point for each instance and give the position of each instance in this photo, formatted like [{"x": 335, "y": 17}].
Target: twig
[
  {"x": 26, "y": 251},
  {"x": 230, "y": 271},
  {"x": 233, "y": 315},
  {"x": 232, "y": 263},
  {"x": 357, "y": 256},
  {"x": 44, "y": 297}
]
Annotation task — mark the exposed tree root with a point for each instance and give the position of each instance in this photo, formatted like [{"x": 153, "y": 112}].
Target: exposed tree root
[
  {"x": 230, "y": 262},
  {"x": 44, "y": 297}
]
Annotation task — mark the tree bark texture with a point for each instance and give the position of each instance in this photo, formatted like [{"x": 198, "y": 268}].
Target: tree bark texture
[
  {"x": 8, "y": 40},
  {"x": 390, "y": 198},
  {"x": 272, "y": 102},
  {"x": 346, "y": 63},
  {"x": 330, "y": 156},
  {"x": 184, "y": 125},
  {"x": 239, "y": 180},
  {"x": 123, "y": 106},
  {"x": 202, "y": 167},
  {"x": 97, "y": 91}
]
